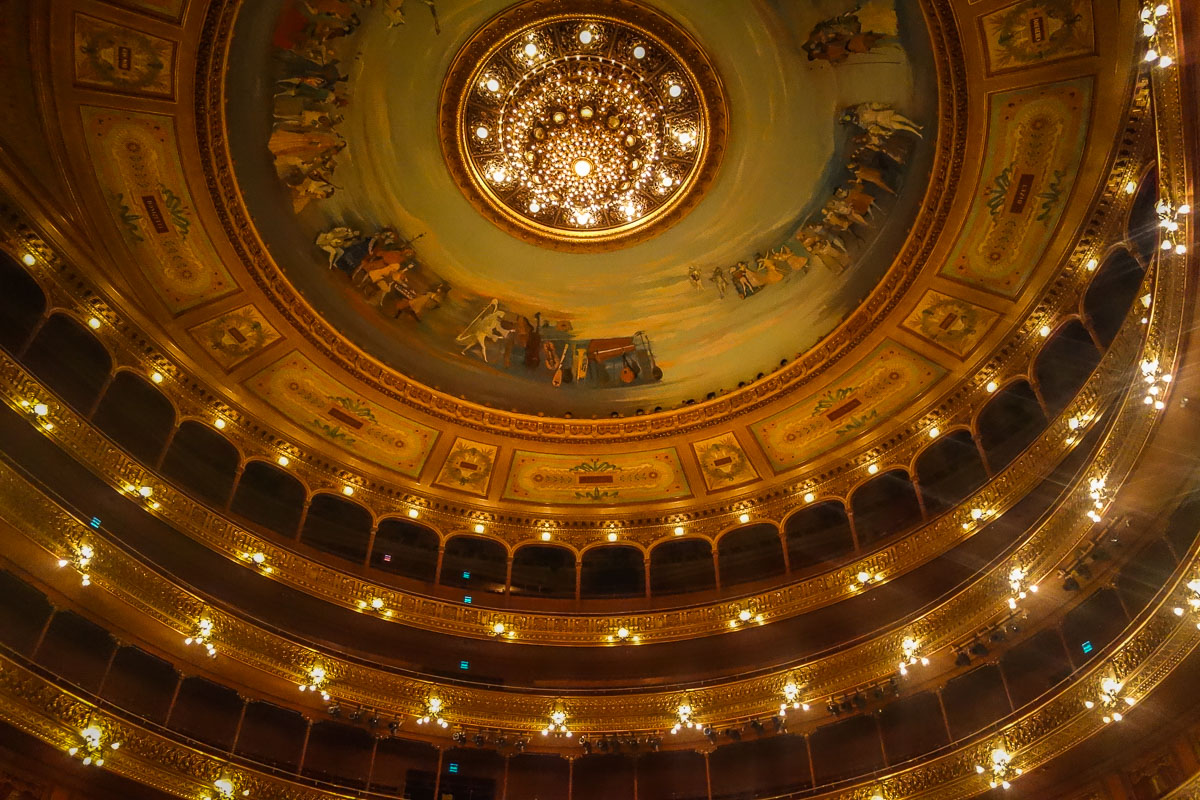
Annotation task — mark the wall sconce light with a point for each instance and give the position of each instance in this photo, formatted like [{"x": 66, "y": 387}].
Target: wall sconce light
[
  {"x": 1000, "y": 772},
  {"x": 434, "y": 708},
  {"x": 203, "y": 636},
  {"x": 92, "y": 751}
]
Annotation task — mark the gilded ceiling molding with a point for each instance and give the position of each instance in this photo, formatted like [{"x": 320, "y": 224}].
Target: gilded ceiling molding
[
  {"x": 1154, "y": 646},
  {"x": 234, "y": 216},
  {"x": 831, "y": 477},
  {"x": 981, "y": 602},
  {"x": 94, "y": 450}
]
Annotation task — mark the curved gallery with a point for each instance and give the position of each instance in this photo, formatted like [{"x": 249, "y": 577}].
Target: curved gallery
[{"x": 601, "y": 398}]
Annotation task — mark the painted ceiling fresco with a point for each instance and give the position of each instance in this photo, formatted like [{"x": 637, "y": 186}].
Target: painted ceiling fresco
[{"x": 332, "y": 111}]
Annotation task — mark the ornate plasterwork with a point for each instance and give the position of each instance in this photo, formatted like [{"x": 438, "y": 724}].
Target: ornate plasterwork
[
  {"x": 209, "y": 105},
  {"x": 215, "y": 531},
  {"x": 1155, "y": 645},
  {"x": 936, "y": 629}
]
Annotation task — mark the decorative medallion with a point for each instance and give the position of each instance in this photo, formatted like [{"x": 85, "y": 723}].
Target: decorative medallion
[{"x": 582, "y": 126}]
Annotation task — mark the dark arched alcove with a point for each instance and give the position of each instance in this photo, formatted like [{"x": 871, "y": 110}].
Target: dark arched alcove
[
  {"x": 201, "y": 461},
  {"x": 749, "y": 554},
  {"x": 337, "y": 526},
  {"x": 474, "y": 563},
  {"x": 136, "y": 416},
  {"x": 268, "y": 496},
  {"x": 66, "y": 357},
  {"x": 617, "y": 571},
  {"x": 1111, "y": 294},
  {"x": 272, "y": 735},
  {"x": 543, "y": 570},
  {"x": 1143, "y": 218},
  {"x": 406, "y": 548},
  {"x": 883, "y": 506},
  {"x": 1009, "y": 423},
  {"x": 683, "y": 565},
  {"x": 948, "y": 471},
  {"x": 818, "y": 534},
  {"x": 1064, "y": 364},
  {"x": 22, "y": 304}
]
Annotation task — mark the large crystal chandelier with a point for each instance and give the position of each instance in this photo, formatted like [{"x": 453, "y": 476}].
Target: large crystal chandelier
[{"x": 582, "y": 130}]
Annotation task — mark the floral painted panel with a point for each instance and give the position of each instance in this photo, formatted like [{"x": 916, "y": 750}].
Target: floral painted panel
[
  {"x": 114, "y": 57},
  {"x": 887, "y": 381},
  {"x": 468, "y": 467},
  {"x": 610, "y": 479},
  {"x": 1034, "y": 32},
  {"x": 235, "y": 336},
  {"x": 136, "y": 158},
  {"x": 314, "y": 399},
  {"x": 950, "y": 322},
  {"x": 1035, "y": 143},
  {"x": 723, "y": 462}
]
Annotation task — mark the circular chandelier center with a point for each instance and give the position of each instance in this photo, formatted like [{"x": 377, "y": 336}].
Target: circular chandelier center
[{"x": 582, "y": 130}]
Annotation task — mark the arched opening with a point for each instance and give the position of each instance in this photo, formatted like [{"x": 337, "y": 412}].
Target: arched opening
[
  {"x": 272, "y": 735},
  {"x": 617, "y": 571},
  {"x": 749, "y": 554},
  {"x": 1009, "y": 423},
  {"x": 206, "y": 711},
  {"x": 337, "y": 526},
  {"x": 1111, "y": 294},
  {"x": 975, "y": 700},
  {"x": 948, "y": 471},
  {"x": 671, "y": 775},
  {"x": 1143, "y": 218},
  {"x": 406, "y": 548},
  {"x": 1035, "y": 666},
  {"x": 202, "y": 461},
  {"x": 603, "y": 776},
  {"x": 23, "y": 612},
  {"x": 543, "y": 570},
  {"x": 22, "y": 304},
  {"x": 338, "y": 753},
  {"x": 817, "y": 535},
  {"x": 136, "y": 416},
  {"x": 684, "y": 565},
  {"x": 141, "y": 683},
  {"x": 474, "y": 563},
  {"x": 884, "y": 506},
  {"x": 1064, "y": 364},
  {"x": 777, "y": 766},
  {"x": 912, "y": 726},
  {"x": 1093, "y": 624},
  {"x": 76, "y": 649},
  {"x": 66, "y": 357},
  {"x": 404, "y": 768},
  {"x": 471, "y": 773},
  {"x": 846, "y": 748},
  {"x": 268, "y": 496}
]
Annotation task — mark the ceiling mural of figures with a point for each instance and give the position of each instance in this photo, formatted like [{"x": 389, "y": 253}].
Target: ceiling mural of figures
[{"x": 832, "y": 108}]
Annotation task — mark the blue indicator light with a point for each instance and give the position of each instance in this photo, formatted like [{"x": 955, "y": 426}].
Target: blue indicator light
[
  {"x": 464, "y": 665},
  {"x": 466, "y": 576},
  {"x": 467, "y": 599},
  {"x": 1087, "y": 647},
  {"x": 453, "y": 768},
  {"x": 96, "y": 523}
]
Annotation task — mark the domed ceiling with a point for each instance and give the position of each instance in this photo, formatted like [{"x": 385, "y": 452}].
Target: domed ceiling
[
  {"x": 666, "y": 372},
  {"x": 816, "y": 174},
  {"x": 581, "y": 258}
]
